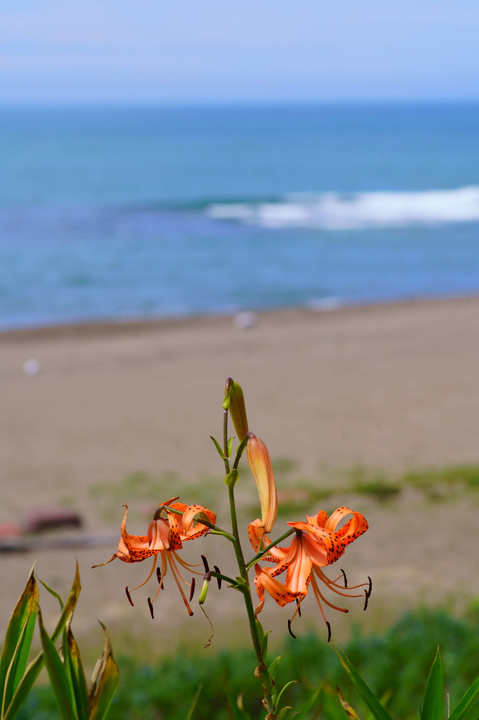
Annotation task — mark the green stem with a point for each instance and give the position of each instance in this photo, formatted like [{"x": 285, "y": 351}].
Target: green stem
[{"x": 262, "y": 670}]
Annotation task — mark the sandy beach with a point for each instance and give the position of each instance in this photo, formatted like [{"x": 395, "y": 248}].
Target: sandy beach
[{"x": 123, "y": 412}]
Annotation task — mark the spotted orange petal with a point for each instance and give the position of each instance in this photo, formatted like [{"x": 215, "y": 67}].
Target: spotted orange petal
[
  {"x": 193, "y": 529},
  {"x": 279, "y": 592}
]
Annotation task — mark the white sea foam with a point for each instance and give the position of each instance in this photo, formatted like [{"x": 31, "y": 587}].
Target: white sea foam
[{"x": 333, "y": 211}]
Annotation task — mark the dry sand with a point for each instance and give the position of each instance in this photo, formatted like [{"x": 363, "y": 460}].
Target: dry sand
[{"x": 387, "y": 387}]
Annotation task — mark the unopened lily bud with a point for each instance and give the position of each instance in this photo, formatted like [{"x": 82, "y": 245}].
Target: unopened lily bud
[
  {"x": 262, "y": 469},
  {"x": 234, "y": 402}
]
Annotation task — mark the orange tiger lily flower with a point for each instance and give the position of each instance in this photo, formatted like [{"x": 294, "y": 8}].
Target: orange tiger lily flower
[
  {"x": 317, "y": 542},
  {"x": 166, "y": 534}
]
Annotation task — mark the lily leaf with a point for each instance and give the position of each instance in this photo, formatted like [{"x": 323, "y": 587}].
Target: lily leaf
[
  {"x": 74, "y": 668},
  {"x": 379, "y": 713},
  {"x": 104, "y": 682},
  {"x": 465, "y": 702},
  {"x": 59, "y": 680},
  {"x": 218, "y": 447},
  {"x": 273, "y": 667},
  {"x": 33, "y": 670},
  {"x": 433, "y": 703},
  {"x": 18, "y": 640},
  {"x": 280, "y": 694}
]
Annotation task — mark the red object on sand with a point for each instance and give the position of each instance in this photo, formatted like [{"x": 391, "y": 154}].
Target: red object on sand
[
  {"x": 8, "y": 530},
  {"x": 51, "y": 518}
]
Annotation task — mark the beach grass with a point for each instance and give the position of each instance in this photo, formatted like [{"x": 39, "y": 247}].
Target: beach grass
[{"x": 395, "y": 664}]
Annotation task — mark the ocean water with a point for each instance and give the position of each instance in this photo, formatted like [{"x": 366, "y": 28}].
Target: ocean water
[{"x": 133, "y": 212}]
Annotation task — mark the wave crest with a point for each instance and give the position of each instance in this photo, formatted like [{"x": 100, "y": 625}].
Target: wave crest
[{"x": 334, "y": 211}]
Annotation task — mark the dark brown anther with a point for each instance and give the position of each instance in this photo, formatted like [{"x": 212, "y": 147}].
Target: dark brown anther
[
  {"x": 207, "y": 576},
  {"x": 218, "y": 580},
  {"x": 345, "y": 578},
  {"x": 192, "y": 588},
  {"x": 329, "y": 631},
  {"x": 290, "y": 631},
  {"x": 129, "y": 597},
  {"x": 158, "y": 575},
  {"x": 205, "y": 563},
  {"x": 150, "y": 605},
  {"x": 299, "y": 607},
  {"x": 366, "y": 599},
  {"x": 370, "y": 589}
]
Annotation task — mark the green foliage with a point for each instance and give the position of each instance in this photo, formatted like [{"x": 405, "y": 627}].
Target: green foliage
[
  {"x": 394, "y": 665},
  {"x": 64, "y": 667}
]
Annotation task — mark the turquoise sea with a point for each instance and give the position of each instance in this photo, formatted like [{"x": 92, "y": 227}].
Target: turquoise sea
[{"x": 133, "y": 212}]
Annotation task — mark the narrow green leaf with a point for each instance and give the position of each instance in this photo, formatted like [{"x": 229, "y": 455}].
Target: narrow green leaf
[
  {"x": 104, "y": 682},
  {"x": 24, "y": 688},
  {"x": 52, "y": 592},
  {"x": 59, "y": 680},
  {"x": 283, "y": 714},
  {"x": 68, "y": 610},
  {"x": 280, "y": 694},
  {"x": 194, "y": 703},
  {"x": 218, "y": 447},
  {"x": 367, "y": 695},
  {"x": 465, "y": 702},
  {"x": 305, "y": 709},
  {"x": 18, "y": 640},
  {"x": 33, "y": 670},
  {"x": 74, "y": 668},
  {"x": 433, "y": 702},
  {"x": 273, "y": 667}
]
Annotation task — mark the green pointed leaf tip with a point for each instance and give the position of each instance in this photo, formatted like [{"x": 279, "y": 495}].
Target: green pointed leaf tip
[
  {"x": 68, "y": 610},
  {"x": 17, "y": 644},
  {"x": 218, "y": 447},
  {"x": 377, "y": 710},
  {"x": 433, "y": 702},
  {"x": 34, "y": 668},
  {"x": 104, "y": 682}
]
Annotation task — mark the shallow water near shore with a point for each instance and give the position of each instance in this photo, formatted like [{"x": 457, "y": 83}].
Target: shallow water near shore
[{"x": 123, "y": 212}]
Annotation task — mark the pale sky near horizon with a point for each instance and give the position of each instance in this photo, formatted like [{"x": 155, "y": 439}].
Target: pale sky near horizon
[{"x": 60, "y": 51}]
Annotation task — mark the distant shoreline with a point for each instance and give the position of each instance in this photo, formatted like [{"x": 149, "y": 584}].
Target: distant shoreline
[{"x": 110, "y": 327}]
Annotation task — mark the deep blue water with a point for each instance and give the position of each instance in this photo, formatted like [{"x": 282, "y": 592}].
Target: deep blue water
[{"x": 172, "y": 211}]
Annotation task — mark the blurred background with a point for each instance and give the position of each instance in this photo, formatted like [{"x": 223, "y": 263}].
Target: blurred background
[
  {"x": 190, "y": 160},
  {"x": 293, "y": 193}
]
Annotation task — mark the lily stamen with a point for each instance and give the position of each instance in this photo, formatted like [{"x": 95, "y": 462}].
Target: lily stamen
[
  {"x": 173, "y": 523},
  {"x": 316, "y": 543}
]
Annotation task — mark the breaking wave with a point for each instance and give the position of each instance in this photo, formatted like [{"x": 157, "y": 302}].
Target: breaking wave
[{"x": 357, "y": 211}]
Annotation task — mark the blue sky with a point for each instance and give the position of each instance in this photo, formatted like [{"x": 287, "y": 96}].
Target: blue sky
[{"x": 252, "y": 50}]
